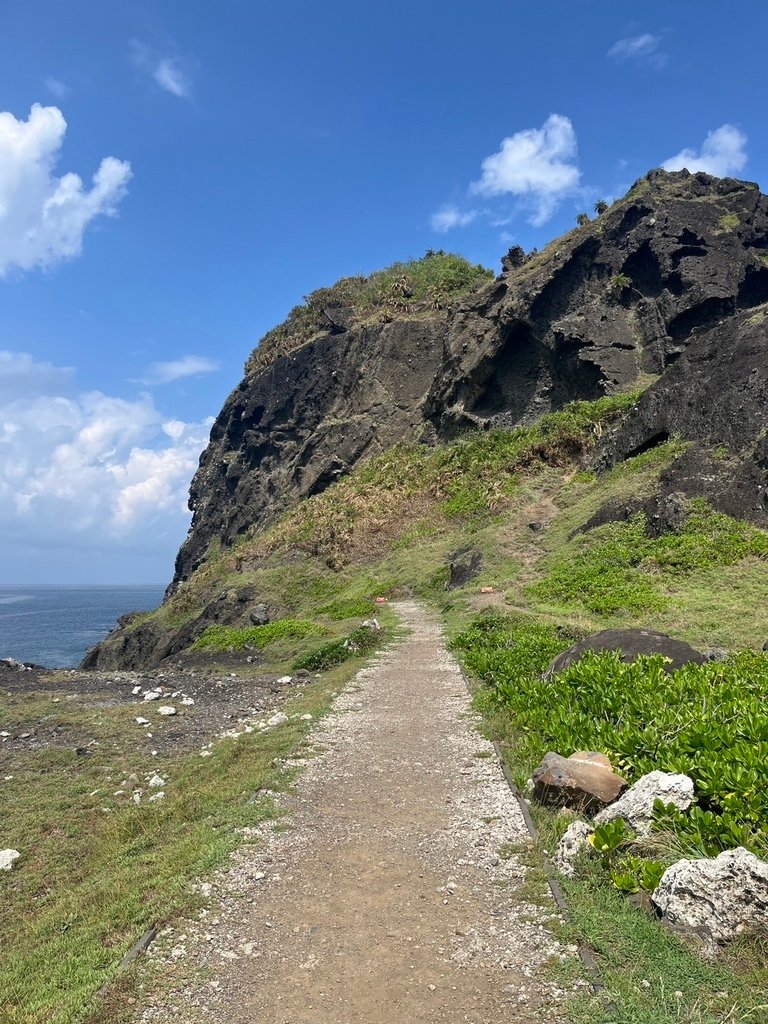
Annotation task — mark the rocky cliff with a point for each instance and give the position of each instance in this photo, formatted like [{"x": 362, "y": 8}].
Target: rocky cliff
[{"x": 667, "y": 288}]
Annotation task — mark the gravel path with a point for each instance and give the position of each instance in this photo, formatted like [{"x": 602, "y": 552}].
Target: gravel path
[{"x": 386, "y": 899}]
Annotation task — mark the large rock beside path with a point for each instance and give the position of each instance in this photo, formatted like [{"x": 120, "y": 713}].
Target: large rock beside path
[
  {"x": 636, "y": 805},
  {"x": 724, "y": 896},
  {"x": 585, "y": 780},
  {"x": 631, "y": 643}
]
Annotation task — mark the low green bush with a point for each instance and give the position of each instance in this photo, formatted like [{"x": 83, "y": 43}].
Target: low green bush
[
  {"x": 707, "y": 721},
  {"x": 348, "y": 608},
  {"x": 224, "y": 638},
  {"x": 360, "y": 641},
  {"x": 618, "y": 567}
]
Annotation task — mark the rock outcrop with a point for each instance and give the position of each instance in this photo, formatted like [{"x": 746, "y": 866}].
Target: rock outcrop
[
  {"x": 615, "y": 300},
  {"x": 292, "y": 428},
  {"x": 631, "y": 644},
  {"x": 670, "y": 283}
]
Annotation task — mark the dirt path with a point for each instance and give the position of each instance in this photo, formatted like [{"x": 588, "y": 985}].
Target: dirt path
[{"x": 386, "y": 900}]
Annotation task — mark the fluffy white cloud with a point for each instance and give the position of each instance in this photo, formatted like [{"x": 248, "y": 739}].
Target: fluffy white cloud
[
  {"x": 177, "y": 369},
  {"x": 536, "y": 164},
  {"x": 449, "y": 217},
  {"x": 723, "y": 152},
  {"x": 170, "y": 77},
  {"x": 90, "y": 468},
  {"x": 645, "y": 48},
  {"x": 43, "y": 217}
]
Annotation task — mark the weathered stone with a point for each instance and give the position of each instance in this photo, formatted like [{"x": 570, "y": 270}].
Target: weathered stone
[
  {"x": 631, "y": 643},
  {"x": 464, "y": 566},
  {"x": 636, "y": 805},
  {"x": 8, "y": 858},
  {"x": 260, "y": 615},
  {"x": 574, "y": 840},
  {"x": 583, "y": 780},
  {"x": 726, "y": 895},
  {"x": 167, "y": 710}
]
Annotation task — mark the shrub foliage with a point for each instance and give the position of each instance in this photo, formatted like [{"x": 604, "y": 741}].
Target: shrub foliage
[{"x": 708, "y": 721}]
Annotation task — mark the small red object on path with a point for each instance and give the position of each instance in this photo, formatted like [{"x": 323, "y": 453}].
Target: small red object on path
[
  {"x": 487, "y": 590},
  {"x": 381, "y": 600}
]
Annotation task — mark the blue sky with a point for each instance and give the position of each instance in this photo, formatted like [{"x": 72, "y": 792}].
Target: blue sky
[{"x": 249, "y": 152}]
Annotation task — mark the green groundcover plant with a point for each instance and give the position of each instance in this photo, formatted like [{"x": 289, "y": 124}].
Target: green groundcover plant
[{"x": 708, "y": 721}]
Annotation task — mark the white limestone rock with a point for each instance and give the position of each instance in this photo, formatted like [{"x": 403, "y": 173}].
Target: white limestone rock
[
  {"x": 8, "y": 858},
  {"x": 636, "y": 805},
  {"x": 725, "y": 895},
  {"x": 574, "y": 840}
]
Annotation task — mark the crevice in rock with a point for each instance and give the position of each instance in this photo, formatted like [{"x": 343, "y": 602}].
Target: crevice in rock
[
  {"x": 652, "y": 442},
  {"x": 705, "y": 314},
  {"x": 754, "y": 289}
]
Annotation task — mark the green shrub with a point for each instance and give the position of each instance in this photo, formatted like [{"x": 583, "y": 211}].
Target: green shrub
[
  {"x": 360, "y": 641},
  {"x": 708, "y": 721},
  {"x": 224, "y": 638},
  {"x": 617, "y": 567},
  {"x": 348, "y": 608}
]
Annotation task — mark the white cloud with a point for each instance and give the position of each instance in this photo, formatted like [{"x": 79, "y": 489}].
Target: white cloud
[
  {"x": 722, "y": 153},
  {"x": 177, "y": 369},
  {"x": 23, "y": 376},
  {"x": 449, "y": 217},
  {"x": 645, "y": 48},
  {"x": 170, "y": 77},
  {"x": 537, "y": 164},
  {"x": 91, "y": 468},
  {"x": 43, "y": 217},
  {"x": 58, "y": 88},
  {"x": 167, "y": 72}
]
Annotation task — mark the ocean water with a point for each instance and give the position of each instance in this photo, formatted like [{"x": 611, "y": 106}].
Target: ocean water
[{"x": 55, "y": 626}]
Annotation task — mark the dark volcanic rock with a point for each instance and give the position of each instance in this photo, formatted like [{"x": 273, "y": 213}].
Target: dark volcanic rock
[
  {"x": 555, "y": 326},
  {"x": 631, "y": 643},
  {"x": 559, "y": 327},
  {"x": 292, "y": 429},
  {"x": 716, "y": 394},
  {"x": 465, "y": 565}
]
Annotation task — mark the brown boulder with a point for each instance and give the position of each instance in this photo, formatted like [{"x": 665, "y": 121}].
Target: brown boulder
[{"x": 585, "y": 780}]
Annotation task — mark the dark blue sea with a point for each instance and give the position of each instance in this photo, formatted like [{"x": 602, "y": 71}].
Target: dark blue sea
[{"x": 55, "y": 626}]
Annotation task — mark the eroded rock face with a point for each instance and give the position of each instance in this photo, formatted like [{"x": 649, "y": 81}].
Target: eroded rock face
[
  {"x": 554, "y": 327},
  {"x": 631, "y": 643},
  {"x": 717, "y": 395},
  {"x": 585, "y": 780},
  {"x": 290, "y": 430},
  {"x": 671, "y": 281},
  {"x": 621, "y": 295},
  {"x": 725, "y": 896},
  {"x": 636, "y": 805}
]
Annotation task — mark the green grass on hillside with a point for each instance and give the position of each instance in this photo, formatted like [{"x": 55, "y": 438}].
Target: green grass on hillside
[
  {"x": 617, "y": 567},
  {"x": 224, "y": 638},
  {"x": 414, "y": 288}
]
